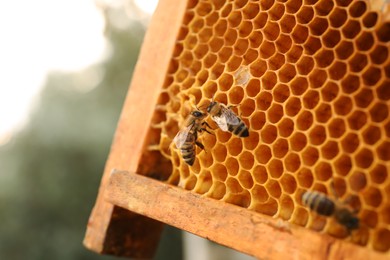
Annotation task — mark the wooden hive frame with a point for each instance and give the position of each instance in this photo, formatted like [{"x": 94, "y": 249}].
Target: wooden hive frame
[{"x": 130, "y": 210}]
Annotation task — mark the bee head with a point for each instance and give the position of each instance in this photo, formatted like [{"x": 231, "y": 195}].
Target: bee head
[{"x": 197, "y": 114}]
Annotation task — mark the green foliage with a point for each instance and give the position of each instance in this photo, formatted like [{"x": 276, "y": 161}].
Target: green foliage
[{"x": 50, "y": 171}]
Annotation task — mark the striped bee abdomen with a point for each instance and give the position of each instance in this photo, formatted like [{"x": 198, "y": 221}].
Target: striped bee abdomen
[
  {"x": 188, "y": 153},
  {"x": 319, "y": 203},
  {"x": 240, "y": 130}
]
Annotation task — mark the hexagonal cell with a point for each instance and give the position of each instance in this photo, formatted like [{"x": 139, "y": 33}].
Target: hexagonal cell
[
  {"x": 264, "y": 100},
  {"x": 379, "y": 112},
  {"x": 285, "y": 127},
  {"x": 263, "y": 154},
  {"x": 371, "y": 76},
  {"x": 224, "y": 54},
  {"x": 343, "y": 105},
  {"x": 241, "y": 47},
  {"x": 305, "y": 178},
  {"x": 257, "y": 120},
  {"x": 280, "y": 148},
  {"x": 190, "y": 182},
  {"x": 318, "y": 26},
  {"x": 317, "y": 78},
  {"x": 209, "y": 60},
  {"x": 275, "y": 113},
  {"x": 225, "y": 82},
  {"x": 234, "y": 62},
  {"x": 276, "y": 61},
  {"x": 381, "y": 240},
  {"x": 267, "y": 4},
  {"x": 336, "y": 127},
  {"x": 330, "y": 150},
  {"x": 357, "y": 9},
  {"x": 271, "y": 31},
  {"x": 294, "y": 53},
  {"x": 259, "y": 193},
  {"x": 344, "y": 49},
  {"x": 311, "y": 99},
  {"x": 234, "y": 19},
  {"x": 287, "y": 23},
  {"x": 269, "y": 134},
  {"x": 331, "y": 38},
  {"x": 204, "y": 182},
  {"x": 250, "y": 56},
  {"x": 383, "y": 33},
  {"x": 283, "y": 43},
  {"x": 217, "y": 190},
  {"x": 273, "y": 188},
  {"x": 270, "y": 207},
  {"x": 260, "y": 174},
  {"x": 305, "y": 14},
  {"x": 268, "y": 80},
  {"x": 246, "y": 160},
  {"x": 205, "y": 34},
  {"x": 383, "y": 151},
  {"x": 245, "y": 179},
  {"x": 230, "y": 37},
  {"x": 339, "y": 190},
  {"x": 300, "y": 216},
  {"x": 305, "y": 65},
  {"x": 236, "y": 94},
  {"x": 323, "y": 7},
  {"x": 280, "y": 93},
  {"x": 299, "y": 85},
  {"x": 379, "y": 54},
  {"x": 250, "y": 10},
  {"x": 287, "y": 72},
  {"x": 378, "y": 174},
  {"x": 358, "y": 62},
  {"x": 276, "y": 12},
  {"x": 385, "y": 214},
  {"x": 304, "y": 120},
  {"x": 351, "y": 29},
  {"x": 219, "y": 172},
  {"x": 317, "y": 135},
  {"x": 258, "y": 68},
  {"x": 370, "y": 19},
  {"x": 324, "y": 58},
  {"x": 275, "y": 168},
  {"x": 337, "y": 70},
  {"x": 292, "y": 162},
  {"x": 338, "y": 17},
  {"x": 298, "y": 141},
  {"x": 260, "y": 20},
  {"x": 286, "y": 207},
  {"x": 217, "y": 70},
  {"x": 323, "y": 171},
  {"x": 372, "y": 196},
  {"x": 232, "y": 166},
  {"x": 365, "y": 41},
  {"x": 357, "y": 181},
  {"x": 299, "y": 34},
  {"x": 330, "y": 91},
  {"x": 357, "y": 120},
  {"x": 267, "y": 49},
  {"x": 220, "y": 27},
  {"x": 323, "y": 112},
  {"x": 312, "y": 45},
  {"x": 369, "y": 218},
  {"x": 343, "y": 165},
  {"x": 293, "y": 6},
  {"x": 371, "y": 135},
  {"x": 350, "y": 143},
  {"x": 364, "y": 98},
  {"x": 234, "y": 146},
  {"x": 219, "y": 152},
  {"x": 310, "y": 156}
]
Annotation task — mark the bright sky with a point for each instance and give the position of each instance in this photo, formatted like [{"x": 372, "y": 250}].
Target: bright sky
[{"x": 40, "y": 36}]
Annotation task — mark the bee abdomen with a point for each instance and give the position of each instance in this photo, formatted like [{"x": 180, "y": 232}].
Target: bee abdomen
[
  {"x": 319, "y": 203},
  {"x": 240, "y": 130},
  {"x": 188, "y": 153}
]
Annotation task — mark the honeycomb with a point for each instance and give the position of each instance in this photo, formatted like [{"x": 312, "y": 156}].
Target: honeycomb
[{"x": 311, "y": 80}]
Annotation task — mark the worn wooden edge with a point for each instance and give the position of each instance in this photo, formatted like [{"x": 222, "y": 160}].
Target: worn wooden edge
[
  {"x": 246, "y": 231},
  {"x": 133, "y": 126}
]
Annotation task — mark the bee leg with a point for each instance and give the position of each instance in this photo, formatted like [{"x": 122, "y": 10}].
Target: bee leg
[
  {"x": 207, "y": 125},
  {"x": 200, "y": 145},
  {"x": 204, "y": 129}
]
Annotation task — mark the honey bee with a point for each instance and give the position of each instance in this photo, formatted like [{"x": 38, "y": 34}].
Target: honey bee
[
  {"x": 186, "y": 139},
  {"x": 227, "y": 120},
  {"x": 325, "y": 206}
]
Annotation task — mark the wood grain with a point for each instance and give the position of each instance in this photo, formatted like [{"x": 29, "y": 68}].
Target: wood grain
[
  {"x": 246, "y": 231},
  {"x": 108, "y": 227}
]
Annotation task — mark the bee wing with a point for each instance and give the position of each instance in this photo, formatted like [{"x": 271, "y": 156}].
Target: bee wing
[
  {"x": 231, "y": 117},
  {"x": 221, "y": 122},
  {"x": 181, "y": 136}
]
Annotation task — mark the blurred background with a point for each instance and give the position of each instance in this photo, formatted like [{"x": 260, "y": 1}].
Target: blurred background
[{"x": 65, "y": 69}]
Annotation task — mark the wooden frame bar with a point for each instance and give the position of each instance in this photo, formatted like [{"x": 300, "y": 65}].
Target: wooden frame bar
[{"x": 246, "y": 231}]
